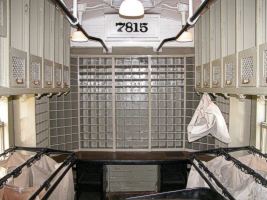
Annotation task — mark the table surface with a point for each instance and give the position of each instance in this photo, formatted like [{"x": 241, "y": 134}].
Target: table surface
[{"x": 137, "y": 156}]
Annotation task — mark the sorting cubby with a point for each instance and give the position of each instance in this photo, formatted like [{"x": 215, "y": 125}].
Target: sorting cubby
[
  {"x": 95, "y": 81},
  {"x": 132, "y": 96},
  {"x": 167, "y": 102}
]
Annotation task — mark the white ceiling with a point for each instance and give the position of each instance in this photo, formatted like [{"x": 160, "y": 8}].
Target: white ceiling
[{"x": 95, "y": 8}]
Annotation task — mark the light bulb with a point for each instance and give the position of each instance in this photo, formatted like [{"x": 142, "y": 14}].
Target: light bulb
[
  {"x": 131, "y": 8},
  {"x": 78, "y": 36}
]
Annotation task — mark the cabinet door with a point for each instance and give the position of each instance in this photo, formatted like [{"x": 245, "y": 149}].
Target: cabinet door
[
  {"x": 3, "y": 18},
  {"x": 36, "y": 42}
]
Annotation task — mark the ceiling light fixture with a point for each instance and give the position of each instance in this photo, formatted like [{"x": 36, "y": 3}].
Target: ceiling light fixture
[
  {"x": 131, "y": 8},
  {"x": 185, "y": 37},
  {"x": 78, "y": 36}
]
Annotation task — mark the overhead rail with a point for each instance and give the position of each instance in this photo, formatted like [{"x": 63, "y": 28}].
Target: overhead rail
[
  {"x": 190, "y": 23},
  {"x": 78, "y": 25}
]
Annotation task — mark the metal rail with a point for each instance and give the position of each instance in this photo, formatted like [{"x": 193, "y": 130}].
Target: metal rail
[
  {"x": 70, "y": 161},
  {"x": 244, "y": 168},
  {"x": 225, "y": 192},
  {"x": 187, "y": 25},
  {"x": 79, "y": 26}
]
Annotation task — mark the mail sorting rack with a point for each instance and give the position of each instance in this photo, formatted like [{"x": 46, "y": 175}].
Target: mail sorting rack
[
  {"x": 95, "y": 82},
  {"x": 132, "y": 102},
  {"x": 42, "y": 122},
  {"x": 167, "y": 102}
]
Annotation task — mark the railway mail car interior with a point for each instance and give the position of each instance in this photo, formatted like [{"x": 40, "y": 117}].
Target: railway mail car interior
[{"x": 133, "y": 99}]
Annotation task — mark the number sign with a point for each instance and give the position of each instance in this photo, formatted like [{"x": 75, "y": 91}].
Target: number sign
[{"x": 117, "y": 28}]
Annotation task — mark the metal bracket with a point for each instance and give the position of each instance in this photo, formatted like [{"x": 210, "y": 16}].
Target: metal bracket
[{"x": 50, "y": 95}]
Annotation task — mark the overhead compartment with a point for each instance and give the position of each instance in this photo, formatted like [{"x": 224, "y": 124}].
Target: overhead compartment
[
  {"x": 66, "y": 53},
  {"x": 246, "y": 42},
  {"x": 205, "y": 43},
  {"x": 19, "y": 33},
  {"x": 49, "y": 41},
  {"x": 228, "y": 37},
  {"x": 215, "y": 44},
  {"x": 198, "y": 53},
  {"x": 262, "y": 40},
  {"x": 36, "y": 43},
  {"x": 59, "y": 37}
]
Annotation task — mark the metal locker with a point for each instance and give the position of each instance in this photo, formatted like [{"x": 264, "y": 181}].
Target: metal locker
[
  {"x": 36, "y": 43},
  {"x": 230, "y": 73},
  {"x": 49, "y": 39},
  {"x": 263, "y": 64},
  {"x": 18, "y": 65},
  {"x": 48, "y": 74},
  {"x": 35, "y": 71},
  {"x": 66, "y": 45},
  {"x": 215, "y": 44},
  {"x": 247, "y": 67},
  {"x": 3, "y": 18},
  {"x": 216, "y": 73},
  {"x": 19, "y": 33},
  {"x": 205, "y": 41},
  {"x": 198, "y": 38},
  {"x": 59, "y": 37},
  {"x": 66, "y": 76},
  {"x": 206, "y": 75},
  {"x": 198, "y": 76},
  {"x": 246, "y": 43},
  {"x": 57, "y": 75}
]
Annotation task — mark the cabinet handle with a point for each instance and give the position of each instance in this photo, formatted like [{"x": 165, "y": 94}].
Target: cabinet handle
[
  {"x": 245, "y": 81},
  {"x": 215, "y": 82},
  {"x": 48, "y": 83},
  {"x": 19, "y": 81},
  {"x": 36, "y": 82},
  {"x": 228, "y": 82}
]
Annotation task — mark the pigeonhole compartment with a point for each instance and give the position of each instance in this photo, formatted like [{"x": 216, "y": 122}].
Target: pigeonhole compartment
[
  {"x": 247, "y": 65},
  {"x": 35, "y": 72},
  {"x": 230, "y": 71},
  {"x": 216, "y": 71},
  {"x": 18, "y": 65},
  {"x": 48, "y": 74},
  {"x": 57, "y": 75},
  {"x": 198, "y": 76},
  {"x": 263, "y": 64},
  {"x": 206, "y": 75}
]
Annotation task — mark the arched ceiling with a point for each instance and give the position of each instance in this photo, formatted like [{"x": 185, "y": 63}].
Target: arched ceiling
[{"x": 166, "y": 8}]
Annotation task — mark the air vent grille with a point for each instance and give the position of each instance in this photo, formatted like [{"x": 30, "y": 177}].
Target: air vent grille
[
  {"x": 216, "y": 73},
  {"x": 18, "y": 68},
  {"x": 36, "y": 71},
  {"x": 247, "y": 68},
  {"x": 48, "y": 73}
]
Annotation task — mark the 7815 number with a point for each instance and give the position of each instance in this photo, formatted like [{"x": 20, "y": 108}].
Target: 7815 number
[{"x": 132, "y": 27}]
